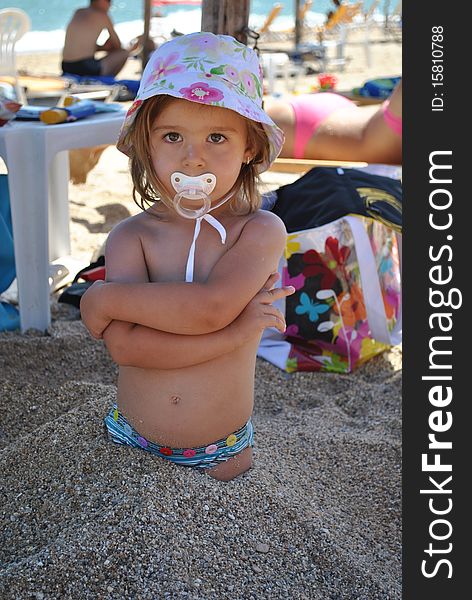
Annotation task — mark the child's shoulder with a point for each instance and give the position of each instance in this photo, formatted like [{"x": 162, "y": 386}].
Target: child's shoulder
[
  {"x": 130, "y": 229},
  {"x": 141, "y": 221},
  {"x": 266, "y": 222},
  {"x": 264, "y": 232},
  {"x": 264, "y": 218}
]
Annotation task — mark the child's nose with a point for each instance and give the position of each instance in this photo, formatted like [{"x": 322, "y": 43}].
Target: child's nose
[{"x": 193, "y": 156}]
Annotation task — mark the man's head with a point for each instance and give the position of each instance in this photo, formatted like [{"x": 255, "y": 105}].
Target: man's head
[{"x": 102, "y": 5}]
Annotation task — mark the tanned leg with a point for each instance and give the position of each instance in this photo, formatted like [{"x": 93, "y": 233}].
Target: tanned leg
[
  {"x": 113, "y": 62},
  {"x": 233, "y": 467}
]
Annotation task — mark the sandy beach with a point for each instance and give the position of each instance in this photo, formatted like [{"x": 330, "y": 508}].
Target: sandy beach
[{"x": 317, "y": 517}]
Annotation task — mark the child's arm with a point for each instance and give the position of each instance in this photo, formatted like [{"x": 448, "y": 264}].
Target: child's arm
[
  {"x": 190, "y": 308},
  {"x": 137, "y": 346}
]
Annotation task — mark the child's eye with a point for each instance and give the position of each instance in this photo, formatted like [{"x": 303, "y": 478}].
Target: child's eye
[
  {"x": 216, "y": 138},
  {"x": 173, "y": 136}
]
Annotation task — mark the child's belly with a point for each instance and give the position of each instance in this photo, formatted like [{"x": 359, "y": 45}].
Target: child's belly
[{"x": 193, "y": 406}]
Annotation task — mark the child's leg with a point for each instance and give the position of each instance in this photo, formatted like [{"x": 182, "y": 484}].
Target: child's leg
[{"x": 233, "y": 466}]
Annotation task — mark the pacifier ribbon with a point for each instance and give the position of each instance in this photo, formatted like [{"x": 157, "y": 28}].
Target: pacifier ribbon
[
  {"x": 191, "y": 255},
  {"x": 197, "y": 188}
]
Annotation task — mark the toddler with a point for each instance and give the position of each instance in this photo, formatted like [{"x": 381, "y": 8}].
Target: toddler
[{"x": 190, "y": 279}]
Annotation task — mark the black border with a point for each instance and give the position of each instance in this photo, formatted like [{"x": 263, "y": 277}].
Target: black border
[{"x": 426, "y": 131}]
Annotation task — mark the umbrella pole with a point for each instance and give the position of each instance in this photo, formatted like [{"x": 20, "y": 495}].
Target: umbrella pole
[
  {"x": 298, "y": 25},
  {"x": 226, "y": 17},
  {"x": 145, "y": 40}
]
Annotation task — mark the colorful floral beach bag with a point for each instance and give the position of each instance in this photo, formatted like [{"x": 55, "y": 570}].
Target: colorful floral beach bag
[{"x": 343, "y": 256}]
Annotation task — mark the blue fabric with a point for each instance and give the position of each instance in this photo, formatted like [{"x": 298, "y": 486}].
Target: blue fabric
[
  {"x": 9, "y": 316},
  {"x": 205, "y": 457},
  {"x": 382, "y": 87}
]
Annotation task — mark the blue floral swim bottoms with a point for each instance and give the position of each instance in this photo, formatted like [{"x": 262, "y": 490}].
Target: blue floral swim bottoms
[{"x": 204, "y": 457}]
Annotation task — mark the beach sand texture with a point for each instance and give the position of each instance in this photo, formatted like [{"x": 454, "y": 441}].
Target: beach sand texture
[{"x": 318, "y": 516}]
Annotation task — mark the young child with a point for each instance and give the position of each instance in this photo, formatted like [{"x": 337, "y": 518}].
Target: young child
[{"x": 189, "y": 279}]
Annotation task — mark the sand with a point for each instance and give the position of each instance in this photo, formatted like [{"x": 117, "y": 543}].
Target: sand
[{"x": 318, "y": 516}]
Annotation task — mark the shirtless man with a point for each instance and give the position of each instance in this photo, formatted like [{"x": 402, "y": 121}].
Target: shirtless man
[{"x": 80, "y": 45}]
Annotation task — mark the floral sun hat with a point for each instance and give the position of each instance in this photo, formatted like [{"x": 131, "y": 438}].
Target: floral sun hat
[{"x": 210, "y": 69}]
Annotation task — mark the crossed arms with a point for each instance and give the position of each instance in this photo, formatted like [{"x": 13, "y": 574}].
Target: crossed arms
[{"x": 178, "y": 324}]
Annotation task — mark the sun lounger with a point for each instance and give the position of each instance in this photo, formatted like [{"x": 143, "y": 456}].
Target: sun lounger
[{"x": 129, "y": 87}]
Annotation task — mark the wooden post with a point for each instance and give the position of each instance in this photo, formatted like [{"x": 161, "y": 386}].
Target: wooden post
[
  {"x": 147, "y": 21},
  {"x": 298, "y": 25},
  {"x": 228, "y": 17}
]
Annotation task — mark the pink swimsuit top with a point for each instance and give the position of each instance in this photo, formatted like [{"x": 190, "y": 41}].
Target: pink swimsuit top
[
  {"x": 310, "y": 111},
  {"x": 391, "y": 121}
]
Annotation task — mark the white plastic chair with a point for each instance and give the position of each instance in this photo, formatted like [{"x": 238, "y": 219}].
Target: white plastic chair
[
  {"x": 275, "y": 64},
  {"x": 14, "y": 23}
]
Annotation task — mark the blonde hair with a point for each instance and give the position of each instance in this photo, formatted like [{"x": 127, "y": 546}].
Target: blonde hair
[{"x": 147, "y": 189}]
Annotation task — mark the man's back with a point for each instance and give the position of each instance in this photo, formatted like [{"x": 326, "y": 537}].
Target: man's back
[{"x": 82, "y": 33}]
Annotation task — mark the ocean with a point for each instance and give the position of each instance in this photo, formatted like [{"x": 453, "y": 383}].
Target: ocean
[{"x": 49, "y": 19}]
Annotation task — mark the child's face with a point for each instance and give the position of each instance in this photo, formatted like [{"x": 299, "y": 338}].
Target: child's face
[{"x": 195, "y": 139}]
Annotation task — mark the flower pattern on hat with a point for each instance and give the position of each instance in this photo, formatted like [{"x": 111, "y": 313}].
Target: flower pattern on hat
[
  {"x": 231, "y": 73},
  {"x": 164, "y": 67},
  {"x": 249, "y": 84},
  {"x": 207, "y": 43},
  {"x": 201, "y": 92}
]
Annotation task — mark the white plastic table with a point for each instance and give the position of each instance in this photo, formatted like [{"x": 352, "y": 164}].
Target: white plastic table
[{"x": 38, "y": 178}]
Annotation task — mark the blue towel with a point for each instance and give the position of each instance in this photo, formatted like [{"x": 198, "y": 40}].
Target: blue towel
[
  {"x": 381, "y": 87},
  {"x": 9, "y": 316}
]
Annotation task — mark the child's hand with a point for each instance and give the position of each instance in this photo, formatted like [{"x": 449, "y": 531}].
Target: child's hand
[
  {"x": 260, "y": 314},
  {"x": 90, "y": 310},
  {"x": 271, "y": 281}
]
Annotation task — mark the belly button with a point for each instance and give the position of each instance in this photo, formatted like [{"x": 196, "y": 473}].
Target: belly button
[{"x": 175, "y": 399}]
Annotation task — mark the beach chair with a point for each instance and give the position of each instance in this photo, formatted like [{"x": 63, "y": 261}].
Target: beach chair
[
  {"x": 304, "y": 10},
  {"x": 280, "y": 64},
  {"x": 48, "y": 90},
  {"x": 331, "y": 35},
  {"x": 14, "y": 23},
  {"x": 120, "y": 89},
  {"x": 345, "y": 13},
  {"x": 269, "y": 35},
  {"x": 339, "y": 20},
  {"x": 273, "y": 14}
]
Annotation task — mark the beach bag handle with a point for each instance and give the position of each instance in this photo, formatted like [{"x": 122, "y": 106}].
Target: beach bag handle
[{"x": 372, "y": 293}]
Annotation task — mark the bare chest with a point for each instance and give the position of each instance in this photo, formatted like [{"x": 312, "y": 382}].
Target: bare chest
[{"x": 167, "y": 250}]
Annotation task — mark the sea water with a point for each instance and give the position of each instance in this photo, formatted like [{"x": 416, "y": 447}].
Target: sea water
[{"x": 49, "y": 19}]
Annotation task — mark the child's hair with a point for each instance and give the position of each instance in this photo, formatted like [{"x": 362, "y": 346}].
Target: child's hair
[{"x": 147, "y": 189}]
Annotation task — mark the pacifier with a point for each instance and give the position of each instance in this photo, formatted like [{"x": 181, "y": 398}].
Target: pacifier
[{"x": 195, "y": 189}]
